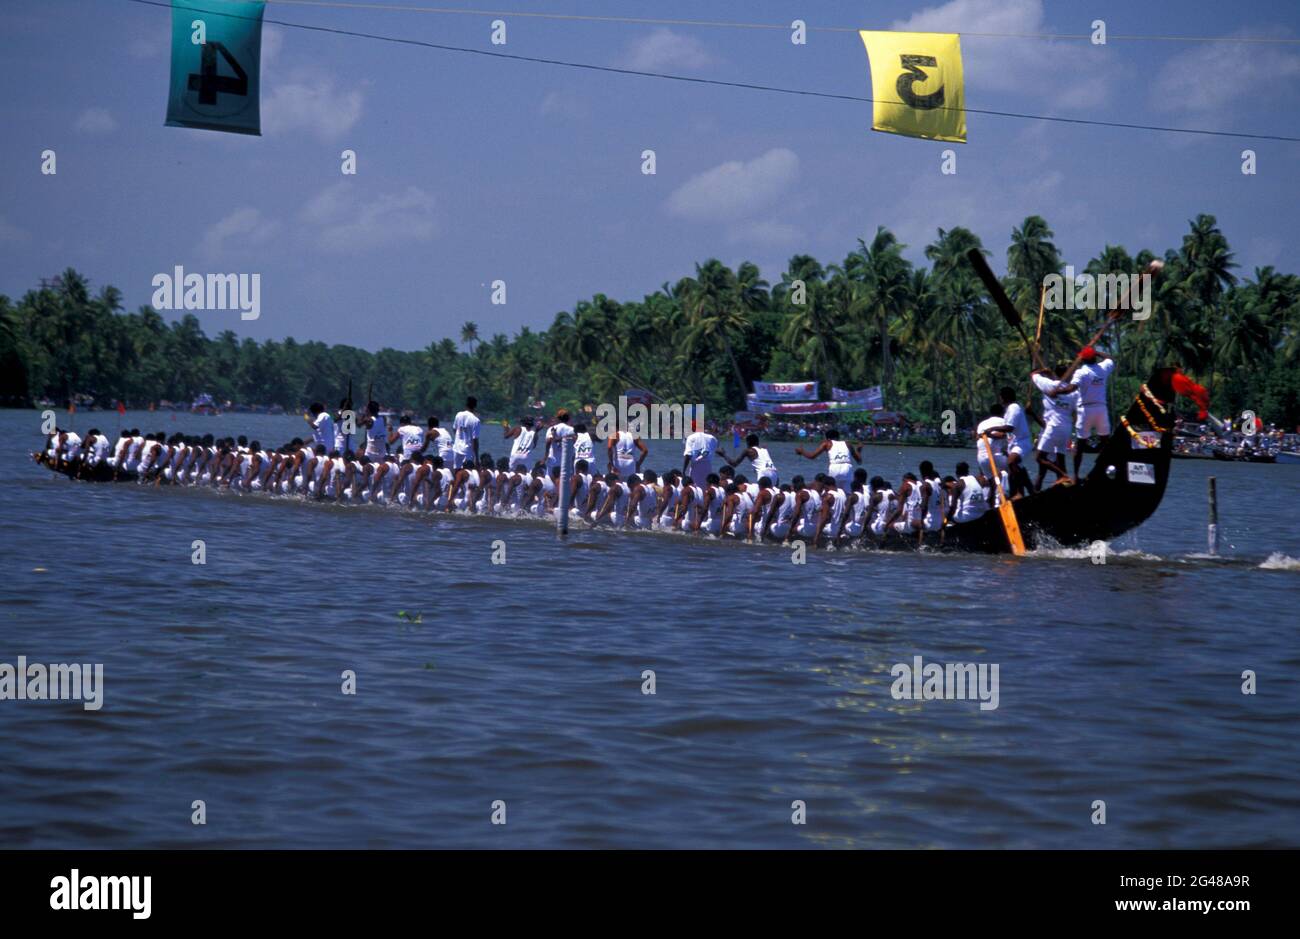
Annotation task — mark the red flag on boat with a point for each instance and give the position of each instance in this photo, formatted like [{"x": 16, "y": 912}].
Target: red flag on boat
[
  {"x": 1189, "y": 389},
  {"x": 121, "y": 409}
]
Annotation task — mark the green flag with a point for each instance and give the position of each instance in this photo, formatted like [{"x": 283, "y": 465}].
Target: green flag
[{"x": 216, "y": 58}]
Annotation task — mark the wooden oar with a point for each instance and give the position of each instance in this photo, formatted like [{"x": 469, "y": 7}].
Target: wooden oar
[
  {"x": 1010, "y": 523},
  {"x": 1153, "y": 270},
  {"x": 1038, "y": 334},
  {"x": 1002, "y": 301}
]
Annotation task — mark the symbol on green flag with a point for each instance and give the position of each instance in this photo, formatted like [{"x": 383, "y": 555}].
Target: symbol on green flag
[{"x": 216, "y": 60}]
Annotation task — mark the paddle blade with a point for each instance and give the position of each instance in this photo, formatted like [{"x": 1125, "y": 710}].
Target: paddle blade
[
  {"x": 1009, "y": 312},
  {"x": 1011, "y": 525}
]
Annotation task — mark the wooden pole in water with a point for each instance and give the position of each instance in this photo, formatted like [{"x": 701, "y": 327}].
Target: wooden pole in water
[
  {"x": 566, "y": 471},
  {"x": 1214, "y": 517}
]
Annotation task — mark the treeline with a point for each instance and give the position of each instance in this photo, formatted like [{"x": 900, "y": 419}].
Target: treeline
[{"x": 930, "y": 335}]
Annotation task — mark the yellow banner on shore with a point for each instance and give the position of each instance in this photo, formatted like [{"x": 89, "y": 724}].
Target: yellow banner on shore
[{"x": 917, "y": 84}]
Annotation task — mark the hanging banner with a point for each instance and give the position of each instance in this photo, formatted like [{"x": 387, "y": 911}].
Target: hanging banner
[
  {"x": 812, "y": 407},
  {"x": 872, "y": 398},
  {"x": 785, "y": 390},
  {"x": 916, "y": 84},
  {"x": 216, "y": 61}
]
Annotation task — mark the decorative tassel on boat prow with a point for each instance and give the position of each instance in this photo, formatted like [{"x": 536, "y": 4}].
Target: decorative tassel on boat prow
[{"x": 1189, "y": 389}]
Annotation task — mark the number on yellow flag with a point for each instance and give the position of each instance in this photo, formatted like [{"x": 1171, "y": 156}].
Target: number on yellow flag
[{"x": 916, "y": 84}]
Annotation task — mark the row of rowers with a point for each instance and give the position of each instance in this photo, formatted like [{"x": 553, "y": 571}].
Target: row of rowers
[{"x": 840, "y": 504}]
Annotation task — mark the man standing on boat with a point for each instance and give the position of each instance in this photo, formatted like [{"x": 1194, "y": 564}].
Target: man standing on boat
[
  {"x": 525, "y": 438},
  {"x": 1021, "y": 442},
  {"x": 376, "y": 432},
  {"x": 625, "y": 452},
  {"x": 759, "y": 458},
  {"x": 1090, "y": 378},
  {"x": 555, "y": 436},
  {"x": 1058, "y": 417},
  {"x": 464, "y": 429},
  {"x": 322, "y": 426},
  {"x": 838, "y": 453},
  {"x": 698, "y": 456}
]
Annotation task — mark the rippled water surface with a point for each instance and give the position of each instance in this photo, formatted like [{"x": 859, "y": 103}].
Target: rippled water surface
[{"x": 522, "y": 682}]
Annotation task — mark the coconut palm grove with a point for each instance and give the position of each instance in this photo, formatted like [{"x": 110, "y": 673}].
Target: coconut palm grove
[{"x": 929, "y": 335}]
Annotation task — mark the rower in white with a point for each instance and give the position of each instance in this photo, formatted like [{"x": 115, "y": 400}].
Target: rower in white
[
  {"x": 996, "y": 430},
  {"x": 969, "y": 496}
]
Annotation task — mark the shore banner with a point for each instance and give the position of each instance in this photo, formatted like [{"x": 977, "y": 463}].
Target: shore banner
[
  {"x": 917, "y": 85},
  {"x": 785, "y": 391},
  {"x": 872, "y": 398},
  {"x": 216, "y": 65},
  {"x": 795, "y": 408}
]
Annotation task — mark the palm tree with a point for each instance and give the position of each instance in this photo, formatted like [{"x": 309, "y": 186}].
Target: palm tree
[
  {"x": 960, "y": 309},
  {"x": 922, "y": 332},
  {"x": 469, "y": 335},
  {"x": 887, "y": 276},
  {"x": 1030, "y": 258},
  {"x": 716, "y": 313},
  {"x": 1207, "y": 265}
]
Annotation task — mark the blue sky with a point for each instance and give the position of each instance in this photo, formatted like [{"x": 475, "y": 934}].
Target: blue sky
[{"x": 473, "y": 169}]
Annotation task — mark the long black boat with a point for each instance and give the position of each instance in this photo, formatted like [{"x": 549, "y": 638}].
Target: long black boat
[{"x": 1122, "y": 491}]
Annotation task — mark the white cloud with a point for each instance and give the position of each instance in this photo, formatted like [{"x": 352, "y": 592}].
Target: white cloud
[
  {"x": 312, "y": 102},
  {"x": 663, "y": 49},
  {"x": 238, "y": 233},
  {"x": 1069, "y": 74},
  {"x": 95, "y": 121},
  {"x": 736, "y": 190},
  {"x": 346, "y": 224},
  {"x": 1214, "y": 76}
]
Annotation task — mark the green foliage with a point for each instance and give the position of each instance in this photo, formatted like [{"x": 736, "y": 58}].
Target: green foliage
[{"x": 930, "y": 336}]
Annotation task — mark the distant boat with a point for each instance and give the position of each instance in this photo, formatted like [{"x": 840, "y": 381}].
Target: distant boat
[
  {"x": 204, "y": 404},
  {"x": 1245, "y": 456}
]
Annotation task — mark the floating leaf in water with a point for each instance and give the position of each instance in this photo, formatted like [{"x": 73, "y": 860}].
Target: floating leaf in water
[{"x": 410, "y": 617}]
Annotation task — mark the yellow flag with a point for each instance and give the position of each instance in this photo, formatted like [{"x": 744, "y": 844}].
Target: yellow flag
[{"x": 916, "y": 84}]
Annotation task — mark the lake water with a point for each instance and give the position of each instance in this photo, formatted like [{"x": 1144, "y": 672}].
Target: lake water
[{"x": 522, "y": 682}]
